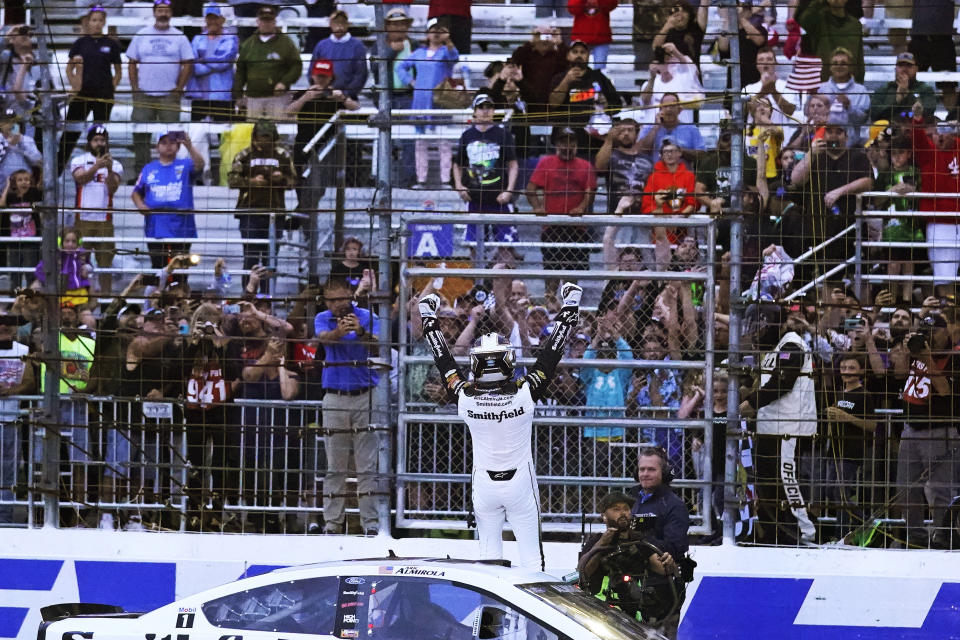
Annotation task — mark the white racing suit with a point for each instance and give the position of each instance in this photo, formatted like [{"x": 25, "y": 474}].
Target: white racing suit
[{"x": 500, "y": 419}]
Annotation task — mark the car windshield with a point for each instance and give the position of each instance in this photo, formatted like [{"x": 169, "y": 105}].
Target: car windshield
[{"x": 603, "y": 620}]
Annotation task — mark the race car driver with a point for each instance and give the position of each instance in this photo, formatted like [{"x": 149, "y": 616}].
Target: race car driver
[{"x": 498, "y": 410}]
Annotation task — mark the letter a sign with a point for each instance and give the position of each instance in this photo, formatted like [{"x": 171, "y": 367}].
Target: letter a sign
[{"x": 431, "y": 241}]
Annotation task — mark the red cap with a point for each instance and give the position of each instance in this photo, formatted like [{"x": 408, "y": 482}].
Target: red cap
[{"x": 322, "y": 68}]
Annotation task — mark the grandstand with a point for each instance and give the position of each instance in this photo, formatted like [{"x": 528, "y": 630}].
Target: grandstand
[{"x": 129, "y": 444}]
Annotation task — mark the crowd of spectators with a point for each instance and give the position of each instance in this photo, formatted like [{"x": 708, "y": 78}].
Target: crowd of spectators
[{"x": 810, "y": 147}]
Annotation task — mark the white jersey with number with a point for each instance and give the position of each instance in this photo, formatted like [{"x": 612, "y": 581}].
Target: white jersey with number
[
  {"x": 94, "y": 194},
  {"x": 501, "y": 427}
]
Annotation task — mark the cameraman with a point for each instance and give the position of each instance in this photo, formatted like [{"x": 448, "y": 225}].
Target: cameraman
[
  {"x": 928, "y": 444},
  {"x": 629, "y": 566}
]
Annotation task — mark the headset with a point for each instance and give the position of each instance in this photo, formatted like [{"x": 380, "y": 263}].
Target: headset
[{"x": 666, "y": 470}]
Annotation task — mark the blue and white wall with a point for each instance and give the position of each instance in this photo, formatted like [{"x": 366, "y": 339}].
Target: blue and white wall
[{"x": 739, "y": 593}]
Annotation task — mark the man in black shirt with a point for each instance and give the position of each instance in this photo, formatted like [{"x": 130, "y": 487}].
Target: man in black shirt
[
  {"x": 580, "y": 92},
  {"x": 927, "y": 459},
  {"x": 829, "y": 177},
  {"x": 94, "y": 71},
  {"x": 313, "y": 108},
  {"x": 851, "y": 426},
  {"x": 485, "y": 170}
]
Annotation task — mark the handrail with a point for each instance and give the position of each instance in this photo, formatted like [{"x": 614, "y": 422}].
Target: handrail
[
  {"x": 806, "y": 254},
  {"x": 555, "y": 220},
  {"x": 819, "y": 279}
]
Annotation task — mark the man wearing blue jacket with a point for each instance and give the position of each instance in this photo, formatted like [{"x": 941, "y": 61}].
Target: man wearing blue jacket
[{"x": 210, "y": 88}]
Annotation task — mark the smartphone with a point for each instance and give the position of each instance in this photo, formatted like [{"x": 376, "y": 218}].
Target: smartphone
[
  {"x": 231, "y": 308},
  {"x": 183, "y": 329},
  {"x": 178, "y": 136},
  {"x": 148, "y": 280},
  {"x": 852, "y": 324}
]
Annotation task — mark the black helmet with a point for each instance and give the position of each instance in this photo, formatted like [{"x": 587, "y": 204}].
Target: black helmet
[{"x": 492, "y": 359}]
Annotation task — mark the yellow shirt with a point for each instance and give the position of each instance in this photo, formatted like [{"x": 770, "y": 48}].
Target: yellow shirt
[{"x": 772, "y": 145}]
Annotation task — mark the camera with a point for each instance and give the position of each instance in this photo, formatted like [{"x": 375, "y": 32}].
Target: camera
[
  {"x": 477, "y": 295},
  {"x": 659, "y": 55},
  {"x": 918, "y": 342},
  {"x": 208, "y": 328}
]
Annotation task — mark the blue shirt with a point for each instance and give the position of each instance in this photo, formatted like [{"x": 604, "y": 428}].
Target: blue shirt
[
  {"x": 606, "y": 390},
  {"x": 686, "y": 135},
  {"x": 425, "y": 72},
  {"x": 349, "y": 58},
  {"x": 168, "y": 187},
  {"x": 212, "y": 77},
  {"x": 348, "y": 348}
]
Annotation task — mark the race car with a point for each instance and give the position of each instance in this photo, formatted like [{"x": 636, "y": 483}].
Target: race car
[{"x": 376, "y": 599}]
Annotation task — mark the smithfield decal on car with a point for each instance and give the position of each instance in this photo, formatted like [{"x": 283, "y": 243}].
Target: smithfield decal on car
[
  {"x": 231, "y": 638},
  {"x": 179, "y": 636},
  {"x": 77, "y": 635},
  {"x": 354, "y": 580}
]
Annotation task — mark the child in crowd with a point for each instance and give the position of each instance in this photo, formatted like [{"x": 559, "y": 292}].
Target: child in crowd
[
  {"x": 763, "y": 131},
  {"x": 901, "y": 177},
  {"x": 20, "y": 193},
  {"x": 75, "y": 270}
]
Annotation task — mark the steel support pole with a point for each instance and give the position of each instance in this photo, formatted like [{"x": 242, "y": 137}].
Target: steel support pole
[
  {"x": 384, "y": 204},
  {"x": 736, "y": 257},
  {"x": 50, "y": 253}
]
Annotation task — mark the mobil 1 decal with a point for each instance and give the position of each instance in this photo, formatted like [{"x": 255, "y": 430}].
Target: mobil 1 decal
[
  {"x": 185, "y": 620},
  {"x": 351, "y": 610}
]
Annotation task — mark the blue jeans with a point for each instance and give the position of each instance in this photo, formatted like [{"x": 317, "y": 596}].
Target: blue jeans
[
  {"x": 549, "y": 8},
  {"x": 599, "y": 52}
]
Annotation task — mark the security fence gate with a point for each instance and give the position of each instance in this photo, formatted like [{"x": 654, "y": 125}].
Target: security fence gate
[{"x": 581, "y": 451}]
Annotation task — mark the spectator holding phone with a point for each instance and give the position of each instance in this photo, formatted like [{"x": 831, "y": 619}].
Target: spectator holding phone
[
  {"x": 17, "y": 151},
  {"x": 164, "y": 195},
  {"x": 353, "y": 267},
  {"x": 263, "y": 172},
  {"x": 97, "y": 176},
  {"x": 346, "y": 332},
  {"x": 927, "y": 457}
]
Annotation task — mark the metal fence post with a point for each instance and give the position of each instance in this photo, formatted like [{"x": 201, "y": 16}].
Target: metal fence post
[
  {"x": 384, "y": 206},
  {"x": 272, "y": 252},
  {"x": 858, "y": 248},
  {"x": 709, "y": 309},
  {"x": 736, "y": 257}
]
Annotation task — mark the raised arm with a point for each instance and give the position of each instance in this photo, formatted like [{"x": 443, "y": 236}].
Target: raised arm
[
  {"x": 449, "y": 371},
  {"x": 553, "y": 347}
]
